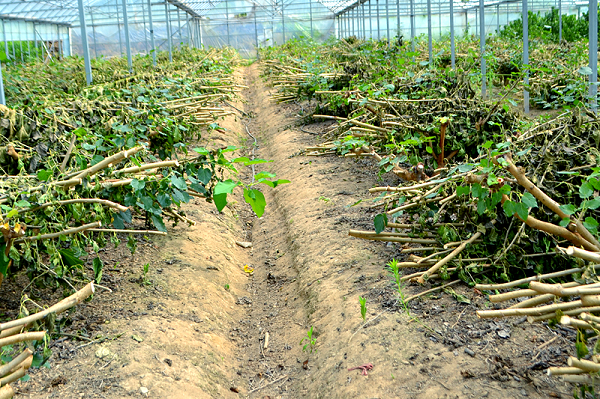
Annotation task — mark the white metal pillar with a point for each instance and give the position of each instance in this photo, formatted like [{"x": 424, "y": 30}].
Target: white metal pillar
[
  {"x": 525, "y": 17},
  {"x": 84, "y": 40},
  {"x": 127, "y": 42}
]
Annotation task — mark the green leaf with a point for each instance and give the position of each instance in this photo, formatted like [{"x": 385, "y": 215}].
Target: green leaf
[
  {"x": 580, "y": 345},
  {"x": 164, "y": 200},
  {"x": 593, "y": 203},
  {"x": 158, "y": 223},
  {"x": 380, "y": 222},
  {"x": 509, "y": 208},
  {"x": 586, "y": 190},
  {"x": 487, "y": 145},
  {"x": 44, "y": 175},
  {"x": 481, "y": 206},
  {"x": 257, "y": 201},
  {"x": 202, "y": 151},
  {"x": 204, "y": 176},
  {"x": 69, "y": 257},
  {"x": 225, "y": 187},
  {"x": 529, "y": 200},
  {"x": 22, "y": 204},
  {"x": 564, "y": 222},
  {"x": 492, "y": 179},
  {"x": 138, "y": 185},
  {"x": 525, "y": 151},
  {"x": 4, "y": 260},
  {"x": 179, "y": 183},
  {"x": 97, "y": 265},
  {"x": 12, "y": 213},
  {"x": 466, "y": 167},
  {"x": 273, "y": 183},
  {"x": 462, "y": 190},
  {"x": 591, "y": 224},
  {"x": 569, "y": 209},
  {"x": 522, "y": 210},
  {"x": 356, "y": 203},
  {"x": 264, "y": 175},
  {"x": 220, "y": 201},
  {"x": 479, "y": 191}
]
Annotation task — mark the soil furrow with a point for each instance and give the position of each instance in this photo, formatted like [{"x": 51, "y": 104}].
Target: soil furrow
[{"x": 308, "y": 272}]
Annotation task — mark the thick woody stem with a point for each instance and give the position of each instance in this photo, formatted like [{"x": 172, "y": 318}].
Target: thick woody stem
[{"x": 549, "y": 202}]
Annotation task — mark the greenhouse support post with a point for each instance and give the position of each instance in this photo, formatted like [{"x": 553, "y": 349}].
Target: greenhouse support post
[
  {"x": 352, "y": 22},
  {"x": 412, "y": 26},
  {"x": 378, "y": 31},
  {"x": 127, "y": 42},
  {"x": 169, "y": 43},
  {"x": 387, "y": 20},
  {"x": 119, "y": 28},
  {"x": 70, "y": 41},
  {"x": 357, "y": 16},
  {"x": 311, "y": 18},
  {"x": 57, "y": 38},
  {"x": 189, "y": 31},
  {"x": 526, "y": 56},
  {"x": 370, "y": 21},
  {"x": 200, "y": 29},
  {"x": 5, "y": 40},
  {"x": 452, "y": 45},
  {"x": 497, "y": 19},
  {"x": 482, "y": 47},
  {"x": 35, "y": 40},
  {"x": 347, "y": 17},
  {"x": 21, "y": 44},
  {"x": 227, "y": 20},
  {"x": 84, "y": 40},
  {"x": 152, "y": 44},
  {"x": 179, "y": 26},
  {"x": 429, "y": 38},
  {"x": 398, "y": 18},
  {"x": 440, "y": 18},
  {"x": 145, "y": 31},
  {"x": 364, "y": 22},
  {"x": 256, "y": 35},
  {"x": 282, "y": 23},
  {"x": 12, "y": 47},
  {"x": 560, "y": 21},
  {"x": 2, "y": 99},
  {"x": 593, "y": 49},
  {"x": 94, "y": 35}
]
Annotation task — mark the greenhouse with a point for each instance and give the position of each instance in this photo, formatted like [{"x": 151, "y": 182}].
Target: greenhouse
[{"x": 299, "y": 199}]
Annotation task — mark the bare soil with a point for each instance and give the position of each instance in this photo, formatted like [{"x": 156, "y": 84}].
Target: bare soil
[{"x": 196, "y": 326}]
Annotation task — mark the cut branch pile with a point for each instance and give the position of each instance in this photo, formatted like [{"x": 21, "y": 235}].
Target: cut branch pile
[
  {"x": 15, "y": 332},
  {"x": 483, "y": 194}
]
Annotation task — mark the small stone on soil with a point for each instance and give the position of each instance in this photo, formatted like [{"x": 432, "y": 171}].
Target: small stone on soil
[{"x": 469, "y": 352}]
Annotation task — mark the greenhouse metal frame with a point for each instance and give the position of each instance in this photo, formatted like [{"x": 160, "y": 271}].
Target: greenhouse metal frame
[{"x": 107, "y": 28}]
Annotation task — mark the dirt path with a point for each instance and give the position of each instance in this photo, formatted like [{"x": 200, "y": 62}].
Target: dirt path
[
  {"x": 310, "y": 273},
  {"x": 196, "y": 325}
]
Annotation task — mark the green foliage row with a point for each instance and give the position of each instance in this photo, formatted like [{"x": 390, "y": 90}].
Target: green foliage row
[{"x": 546, "y": 27}]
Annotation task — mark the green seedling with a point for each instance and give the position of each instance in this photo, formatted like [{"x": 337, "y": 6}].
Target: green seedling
[
  {"x": 145, "y": 279},
  {"x": 393, "y": 265},
  {"x": 363, "y": 307},
  {"x": 312, "y": 341}
]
